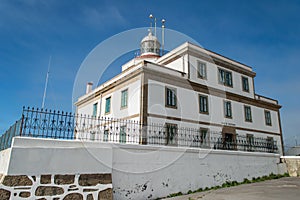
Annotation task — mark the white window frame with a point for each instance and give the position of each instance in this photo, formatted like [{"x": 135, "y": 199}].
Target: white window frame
[
  {"x": 248, "y": 113},
  {"x": 245, "y": 87},
  {"x": 201, "y": 70},
  {"x": 268, "y": 118},
  {"x": 225, "y": 77},
  {"x": 203, "y": 105},
  {"x": 124, "y": 98},
  {"x": 227, "y": 110},
  {"x": 171, "y": 99}
]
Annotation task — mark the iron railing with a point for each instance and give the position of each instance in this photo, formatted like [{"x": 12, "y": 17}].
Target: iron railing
[
  {"x": 192, "y": 137},
  {"x": 61, "y": 125},
  {"x": 6, "y": 138},
  {"x": 47, "y": 124}
]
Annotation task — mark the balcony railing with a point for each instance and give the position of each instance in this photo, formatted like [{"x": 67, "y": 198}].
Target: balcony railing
[
  {"x": 60, "y": 125},
  {"x": 266, "y": 99}
]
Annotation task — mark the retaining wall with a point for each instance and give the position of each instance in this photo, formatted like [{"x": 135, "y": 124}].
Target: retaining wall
[{"x": 133, "y": 171}]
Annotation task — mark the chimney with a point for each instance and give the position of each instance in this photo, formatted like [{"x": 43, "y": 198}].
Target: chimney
[{"x": 89, "y": 86}]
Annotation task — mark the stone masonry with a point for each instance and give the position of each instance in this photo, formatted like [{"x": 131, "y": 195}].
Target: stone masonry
[
  {"x": 58, "y": 187},
  {"x": 293, "y": 165}
]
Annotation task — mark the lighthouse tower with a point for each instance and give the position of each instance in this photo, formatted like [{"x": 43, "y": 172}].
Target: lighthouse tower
[{"x": 150, "y": 46}]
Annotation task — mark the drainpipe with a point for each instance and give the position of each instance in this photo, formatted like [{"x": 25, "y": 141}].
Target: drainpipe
[{"x": 100, "y": 109}]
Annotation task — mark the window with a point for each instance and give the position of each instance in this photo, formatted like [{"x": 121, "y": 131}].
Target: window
[
  {"x": 95, "y": 107},
  {"x": 248, "y": 116},
  {"x": 268, "y": 119},
  {"x": 122, "y": 138},
  {"x": 171, "y": 130},
  {"x": 124, "y": 98},
  {"x": 203, "y": 104},
  {"x": 245, "y": 84},
  {"x": 107, "y": 105},
  {"x": 171, "y": 99},
  {"x": 201, "y": 68},
  {"x": 227, "y": 109},
  {"x": 203, "y": 136},
  {"x": 225, "y": 77}
]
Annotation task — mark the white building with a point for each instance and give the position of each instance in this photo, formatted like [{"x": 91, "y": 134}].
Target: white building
[
  {"x": 189, "y": 88},
  {"x": 293, "y": 151}
]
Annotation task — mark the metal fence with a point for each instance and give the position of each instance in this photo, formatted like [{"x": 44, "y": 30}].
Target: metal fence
[
  {"x": 192, "y": 137},
  {"x": 6, "y": 138},
  {"x": 60, "y": 125},
  {"x": 47, "y": 124},
  {"x": 107, "y": 129}
]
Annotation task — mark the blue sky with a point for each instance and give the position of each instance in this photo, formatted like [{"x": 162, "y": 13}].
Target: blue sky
[{"x": 263, "y": 34}]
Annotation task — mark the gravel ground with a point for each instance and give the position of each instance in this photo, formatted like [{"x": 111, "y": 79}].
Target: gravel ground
[{"x": 285, "y": 188}]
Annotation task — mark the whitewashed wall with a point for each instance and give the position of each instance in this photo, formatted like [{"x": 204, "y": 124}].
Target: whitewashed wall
[
  {"x": 188, "y": 108},
  {"x": 212, "y": 75},
  {"x": 139, "y": 172},
  {"x": 153, "y": 173},
  {"x": 180, "y": 64},
  {"x": 133, "y": 108},
  {"x": 134, "y": 92},
  {"x": 4, "y": 160},
  {"x": 213, "y": 78},
  {"x": 34, "y": 156}
]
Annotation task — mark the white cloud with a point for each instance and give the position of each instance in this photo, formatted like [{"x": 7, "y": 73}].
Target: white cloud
[
  {"x": 102, "y": 17},
  {"x": 35, "y": 14}
]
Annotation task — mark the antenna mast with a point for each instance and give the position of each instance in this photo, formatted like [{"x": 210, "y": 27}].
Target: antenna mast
[
  {"x": 162, "y": 36},
  {"x": 162, "y": 32},
  {"x": 155, "y": 26},
  {"x": 46, "y": 83},
  {"x": 151, "y": 17}
]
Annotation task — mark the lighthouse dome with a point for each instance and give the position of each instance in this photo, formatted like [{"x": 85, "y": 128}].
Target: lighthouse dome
[{"x": 150, "y": 45}]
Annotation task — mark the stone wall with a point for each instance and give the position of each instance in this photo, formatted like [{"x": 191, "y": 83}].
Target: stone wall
[
  {"x": 58, "y": 187},
  {"x": 293, "y": 165}
]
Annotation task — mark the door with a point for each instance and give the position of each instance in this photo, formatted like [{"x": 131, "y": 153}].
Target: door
[{"x": 229, "y": 138}]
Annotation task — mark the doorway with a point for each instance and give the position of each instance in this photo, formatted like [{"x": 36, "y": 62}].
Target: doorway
[{"x": 229, "y": 138}]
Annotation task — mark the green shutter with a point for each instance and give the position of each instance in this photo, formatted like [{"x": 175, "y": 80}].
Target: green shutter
[
  {"x": 95, "y": 109},
  {"x": 107, "y": 105},
  {"x": 124, "y": 98}
]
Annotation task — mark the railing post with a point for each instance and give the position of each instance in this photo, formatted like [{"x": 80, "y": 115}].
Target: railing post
[
  {"x": 21, "y": 126},
  {"x": 143, "y": 134},
  {"x": 15, "y": 127}
]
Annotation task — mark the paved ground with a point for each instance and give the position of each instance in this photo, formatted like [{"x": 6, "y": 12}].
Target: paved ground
[{"x": 284, "y": 188}]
